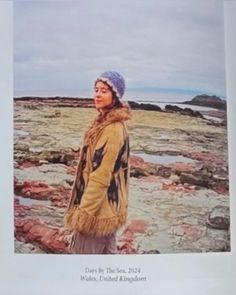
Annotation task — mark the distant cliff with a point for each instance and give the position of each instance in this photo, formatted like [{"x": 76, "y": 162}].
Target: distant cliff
[{"x": 208, "y": 101}]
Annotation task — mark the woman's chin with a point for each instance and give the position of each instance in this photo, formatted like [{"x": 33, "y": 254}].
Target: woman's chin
[{"x": 97, "y": 106}]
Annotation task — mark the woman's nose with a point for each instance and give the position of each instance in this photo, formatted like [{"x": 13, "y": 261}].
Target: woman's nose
[{"x": 98, "y": 93}]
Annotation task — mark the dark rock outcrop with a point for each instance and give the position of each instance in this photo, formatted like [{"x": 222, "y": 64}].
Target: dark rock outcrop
[
  {"x": 62, "y": 157},
  {"x": 219, "y": 218},
  {"x": 183, "y": 111},
  {"x": 208, "y": 101},
  {"x": 144, "y": 106},
  {"x": 27, "y": 159},
  {"x": 33, "y": 102},
  {"x": 191, "y": 179},
  {"x": 206, "y": 175}
]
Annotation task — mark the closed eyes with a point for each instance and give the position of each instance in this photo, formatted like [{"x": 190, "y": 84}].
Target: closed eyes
[{"x": 103, "y": 90}]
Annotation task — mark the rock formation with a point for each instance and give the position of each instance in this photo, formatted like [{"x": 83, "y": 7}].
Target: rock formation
[{"x": 208, "y": 101}]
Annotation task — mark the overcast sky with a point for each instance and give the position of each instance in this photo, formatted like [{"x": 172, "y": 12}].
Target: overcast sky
[{"x": 171, "y": 45}]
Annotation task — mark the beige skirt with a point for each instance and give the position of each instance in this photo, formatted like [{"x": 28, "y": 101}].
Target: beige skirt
[{"x": 85, "y": 244}]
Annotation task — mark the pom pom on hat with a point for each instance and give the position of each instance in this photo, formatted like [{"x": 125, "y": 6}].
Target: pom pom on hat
[{"x": 114, "y": 80}]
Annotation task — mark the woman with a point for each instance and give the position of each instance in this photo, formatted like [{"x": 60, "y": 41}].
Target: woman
[{"x": 99, "y": 199}]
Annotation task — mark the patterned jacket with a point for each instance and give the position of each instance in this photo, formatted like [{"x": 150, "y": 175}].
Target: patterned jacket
[{"x": 99, "y": 199}]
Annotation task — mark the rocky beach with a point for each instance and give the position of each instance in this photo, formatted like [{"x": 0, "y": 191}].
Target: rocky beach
[{"x": 179, "y": 186}]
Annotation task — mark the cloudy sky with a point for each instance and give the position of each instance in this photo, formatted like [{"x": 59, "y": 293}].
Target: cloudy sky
[{"x": 158, "y": 45}]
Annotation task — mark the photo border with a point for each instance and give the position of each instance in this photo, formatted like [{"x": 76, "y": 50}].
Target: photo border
[{"x": 202, "y": 273}]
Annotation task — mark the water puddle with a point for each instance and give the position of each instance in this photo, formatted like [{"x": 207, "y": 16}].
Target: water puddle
[
  {"x": 30, "y": 202},
  {"x": 164, "y": 159}
]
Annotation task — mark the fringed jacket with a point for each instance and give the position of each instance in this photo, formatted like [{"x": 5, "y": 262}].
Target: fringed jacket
[{"x": 99, "y": 199}]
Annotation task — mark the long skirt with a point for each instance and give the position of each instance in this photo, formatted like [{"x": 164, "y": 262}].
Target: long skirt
[{"x": 85, "y": 244}]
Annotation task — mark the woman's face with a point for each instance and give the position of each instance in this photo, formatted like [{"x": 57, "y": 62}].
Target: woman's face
[{"x": 102, "y": 95}]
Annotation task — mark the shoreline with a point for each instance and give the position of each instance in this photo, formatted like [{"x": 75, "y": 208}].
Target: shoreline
[
  {"x": 210, "y": 114},
  {"x": 89, "y": 99}
]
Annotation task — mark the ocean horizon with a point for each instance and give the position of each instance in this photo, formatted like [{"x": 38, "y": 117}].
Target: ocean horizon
[{"x": 137, "y": 95}]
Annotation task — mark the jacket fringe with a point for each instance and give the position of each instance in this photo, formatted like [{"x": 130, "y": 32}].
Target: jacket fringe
[{"x": 78, "y": 219}]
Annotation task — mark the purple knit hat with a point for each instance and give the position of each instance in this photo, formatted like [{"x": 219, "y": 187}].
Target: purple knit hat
[{"x": 115, "y": 81}]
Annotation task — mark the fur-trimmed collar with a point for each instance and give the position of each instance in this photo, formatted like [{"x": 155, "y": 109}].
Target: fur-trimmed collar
[{"x": 119, "y": 114}]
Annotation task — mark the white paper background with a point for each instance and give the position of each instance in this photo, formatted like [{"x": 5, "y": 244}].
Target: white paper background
[{"x": 59, "y": 274}]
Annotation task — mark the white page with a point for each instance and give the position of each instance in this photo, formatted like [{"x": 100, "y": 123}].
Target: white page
[{"x": 211, "y": 273}]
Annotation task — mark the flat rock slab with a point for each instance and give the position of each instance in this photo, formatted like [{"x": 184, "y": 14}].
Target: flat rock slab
[
  {"x": 177, "y": 220},
  {"x": 166, "y": 213},
  {"x": 51, "y": 174}
]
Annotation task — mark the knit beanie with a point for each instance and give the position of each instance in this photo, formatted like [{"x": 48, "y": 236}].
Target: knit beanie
[{"x": 114, "y": 80}]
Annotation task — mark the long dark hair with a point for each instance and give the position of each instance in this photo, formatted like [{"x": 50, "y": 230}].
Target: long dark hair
[{"x": 116, "y": 104}]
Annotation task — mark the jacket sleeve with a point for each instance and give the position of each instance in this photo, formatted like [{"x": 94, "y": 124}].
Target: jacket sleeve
[{"x": 104, "y": 159}]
